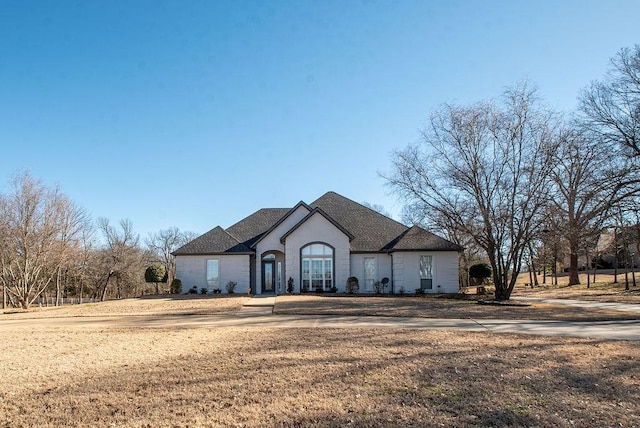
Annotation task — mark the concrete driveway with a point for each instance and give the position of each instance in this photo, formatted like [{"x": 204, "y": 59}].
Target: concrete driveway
[{"x": 261, "y": 316}]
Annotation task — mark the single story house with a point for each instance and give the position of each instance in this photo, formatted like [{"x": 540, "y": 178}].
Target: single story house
[{"x": 316, "y": 247}]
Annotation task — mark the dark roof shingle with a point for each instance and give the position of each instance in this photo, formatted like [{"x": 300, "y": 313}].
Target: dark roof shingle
[
  {"x": 417, "y": 238},
  {"x": 251, "y": 228},
  {"x": 215, "y": 241},
  {"x": 370, "y": 231}
]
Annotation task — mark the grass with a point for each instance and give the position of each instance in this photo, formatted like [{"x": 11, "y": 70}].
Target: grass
[
  {"x": 435, "y": 307},
  {"x": 312, "y": 377},
  {"x": 105, "y": 375},
  {"x": 191, "y": 304},
  {"x": 603, "y": 289}
]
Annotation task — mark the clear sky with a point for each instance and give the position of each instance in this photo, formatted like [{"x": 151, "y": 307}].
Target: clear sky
[{"x": 196, "y": 113}]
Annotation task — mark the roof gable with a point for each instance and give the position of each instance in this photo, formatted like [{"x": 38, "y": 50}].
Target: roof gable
[
  {"x": 282, "y": 220},
  {"x": 317, "y": 211}
]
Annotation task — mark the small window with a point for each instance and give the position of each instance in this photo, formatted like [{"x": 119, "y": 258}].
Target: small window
[
  {"x": 212, "y": 274},
  {"x": 369, "y": 273},
  {"x": 426, "y": 272}
]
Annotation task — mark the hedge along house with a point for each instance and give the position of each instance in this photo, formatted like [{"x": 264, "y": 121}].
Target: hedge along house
[{"x": 318, "y": 246}]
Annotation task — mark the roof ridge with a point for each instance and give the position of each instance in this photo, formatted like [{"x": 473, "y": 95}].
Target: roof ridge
[{"x": 364, "y": 206}]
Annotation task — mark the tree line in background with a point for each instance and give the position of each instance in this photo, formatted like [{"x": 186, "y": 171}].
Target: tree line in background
[
  {"x": 50, "y": 249},
  {"x": 515, "y": 182}
]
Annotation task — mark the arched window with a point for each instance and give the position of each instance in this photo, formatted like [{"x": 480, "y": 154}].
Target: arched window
[{"x": 317, "y": 267}]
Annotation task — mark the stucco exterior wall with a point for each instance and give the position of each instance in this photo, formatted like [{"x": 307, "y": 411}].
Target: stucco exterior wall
[
  {"x": 271, "y": 242},
  {"x": 318, "y": 229},
  {"x": 406, "y": 271},
  {"x": 383, "y": 270},
  {"x": 192, "y": 270}
]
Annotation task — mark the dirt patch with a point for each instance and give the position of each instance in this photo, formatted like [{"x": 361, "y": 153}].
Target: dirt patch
[
  {"x": 435, "y": 307},
  {"x": 314, "y": 377},
  {"x": 148, "y": 305}
]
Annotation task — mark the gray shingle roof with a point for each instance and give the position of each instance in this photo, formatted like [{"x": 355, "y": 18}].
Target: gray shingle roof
[
  {"x": 417, "y": 238},
  {"x": 279, "y": 222},
  {"x": 370, "y": 230},
  {"x": 215, "y": 241},
  {"x": 250, "y": 229}
]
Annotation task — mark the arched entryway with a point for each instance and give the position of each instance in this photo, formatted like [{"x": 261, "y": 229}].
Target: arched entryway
[{"x": 272, "y": 272}]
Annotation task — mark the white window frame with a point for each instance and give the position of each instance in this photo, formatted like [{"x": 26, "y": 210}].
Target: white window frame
[
  {"x": 213, "y": 282},
  {"x": 326, "y": 262},
  {"x": 428, "y": 275},
  {"x": 369, "y": 281}
]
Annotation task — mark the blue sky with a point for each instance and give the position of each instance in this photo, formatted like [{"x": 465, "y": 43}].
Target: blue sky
[{"x": 197, "y": 113}]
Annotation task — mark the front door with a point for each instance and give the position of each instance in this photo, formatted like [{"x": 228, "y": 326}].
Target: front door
[{"x": 268, "y": 277}]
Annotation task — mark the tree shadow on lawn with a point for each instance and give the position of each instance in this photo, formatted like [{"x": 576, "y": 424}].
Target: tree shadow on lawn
[
  {"x": 437, "y": 307},
  {"x": 313, "y": 377}
]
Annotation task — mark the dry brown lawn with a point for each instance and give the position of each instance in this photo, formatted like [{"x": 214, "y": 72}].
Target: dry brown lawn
[
  {"x": 250, "y": 377},
  {"x": 434, "y": 307},
  {"x": 147, "y": 305},
  {"x": 602, "y": 290}
]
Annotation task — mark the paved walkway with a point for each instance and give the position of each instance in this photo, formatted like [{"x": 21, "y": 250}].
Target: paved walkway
[
  {"x": 259, "y": 305},
  {"x": 625, "y": 307}
]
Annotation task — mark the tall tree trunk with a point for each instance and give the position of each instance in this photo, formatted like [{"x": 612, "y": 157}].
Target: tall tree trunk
[
  {"x": 534, "y": 280},
  {"x": 81, "y": 289},
  {"x": 58, "y": 288},
  {"x": 586, "y": 254},
  {"x": 574, "y": 278},
  {"x": 555, "y": 266},
  {"x": 104, "y": 290}
]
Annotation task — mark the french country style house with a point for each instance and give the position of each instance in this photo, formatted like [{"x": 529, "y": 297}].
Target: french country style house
[{"x": 316, "y": 247}]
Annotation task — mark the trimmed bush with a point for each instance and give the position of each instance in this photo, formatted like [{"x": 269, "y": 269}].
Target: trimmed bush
[
  {"x": 480, "y": 272},
  {"x": 353, "y": 285},
  {"x": 175, "y": 287}
]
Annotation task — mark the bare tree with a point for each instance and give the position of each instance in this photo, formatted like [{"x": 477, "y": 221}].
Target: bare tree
[
  {"x": 162, "y": 244},
  {"x": 471, "y": 253},
  {"x": 41, "y": 226},
  {"x": 588, "y": 181},
  {"x": 485, "y": 169},
  {"x": 122, "y": 258},
  {"x": 611, "y": 107}
]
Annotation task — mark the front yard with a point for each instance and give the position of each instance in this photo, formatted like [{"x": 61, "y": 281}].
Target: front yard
[
  {"x": 105, "y": 375},
  {"x": 603, "y": 289},
  {"x": 173, "y": 304},
  {"x": 434, "y": 307},
  {"x": 317, "y": 377}
]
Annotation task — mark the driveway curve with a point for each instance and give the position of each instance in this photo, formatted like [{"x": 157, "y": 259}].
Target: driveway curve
[{"x": 618, "y": 330}]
